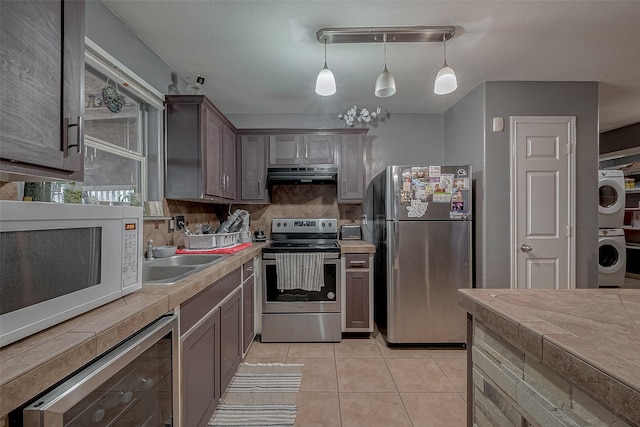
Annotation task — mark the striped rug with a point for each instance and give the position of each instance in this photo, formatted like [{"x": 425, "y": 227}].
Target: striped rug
[{"x": 262, "y": 394}]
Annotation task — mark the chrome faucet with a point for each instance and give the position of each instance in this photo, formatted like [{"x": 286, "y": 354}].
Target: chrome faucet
[{"x": 150, "y": 250}]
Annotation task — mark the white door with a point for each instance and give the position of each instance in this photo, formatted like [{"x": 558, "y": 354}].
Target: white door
[{"x": 543, "y": 202}]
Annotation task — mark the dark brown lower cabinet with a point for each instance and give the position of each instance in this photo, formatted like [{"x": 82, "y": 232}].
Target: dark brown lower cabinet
[
  {"x": 201, "y": 371},
  {"x": 210, "y": 346},
  {"x": 357, "y": 299},
  {"x": 230, "y": 337}
]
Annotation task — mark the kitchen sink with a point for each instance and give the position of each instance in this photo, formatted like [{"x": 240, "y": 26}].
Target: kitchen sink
[
  {"x": 167, "y": 271},
  {"x": 196, "y": 259}
]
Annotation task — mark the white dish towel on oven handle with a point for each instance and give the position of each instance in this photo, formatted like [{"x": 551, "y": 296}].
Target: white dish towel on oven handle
[{"x": 300, "y": 271}]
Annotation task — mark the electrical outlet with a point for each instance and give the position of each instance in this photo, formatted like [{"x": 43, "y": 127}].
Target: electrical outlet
[
  {"x": 180, "y": 223},
  {"x": 364, "y": 219},
  {"x": 172, "y": 225}
]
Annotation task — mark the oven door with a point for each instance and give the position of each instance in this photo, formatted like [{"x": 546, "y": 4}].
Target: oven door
[
  {"x": 134, "y": 384},
  {"x": 327, "y": 300}
]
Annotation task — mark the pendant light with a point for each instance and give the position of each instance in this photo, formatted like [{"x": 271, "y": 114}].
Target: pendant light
[
  {"x": 446, "y": 81},
  {"x": 325, "y": 83},
  {"x": 385, "y": 83}
]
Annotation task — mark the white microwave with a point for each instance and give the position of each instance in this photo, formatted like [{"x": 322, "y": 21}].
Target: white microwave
[{"x": 60, "y": 260}]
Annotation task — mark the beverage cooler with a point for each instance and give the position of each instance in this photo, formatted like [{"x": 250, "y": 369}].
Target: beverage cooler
[{"x": 134, "y": 384}]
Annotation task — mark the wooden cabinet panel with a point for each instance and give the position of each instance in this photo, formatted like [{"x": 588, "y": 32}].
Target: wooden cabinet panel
[
  {"x": 284, "y": 150},
  {"x": 252, "y": 155},
  {"x": 201, "y": 371},
  {"x": 351, "y": 173},
  {"x": 228, "y": 164},
  {"x": 230, "y": 338},
  {"x": 293, "y": 149},
  {"x": 212, "y": 143},
  {"x": 319, "y": 149},
  {"x": 196, "y": 307},
  {"x": 42, "y": 86},
  {"x": 357, "y": 260},
  {"x": 357, "y": 299}
]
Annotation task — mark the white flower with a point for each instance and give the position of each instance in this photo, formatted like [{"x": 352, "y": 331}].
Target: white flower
[{"x": 354, "y": 114}]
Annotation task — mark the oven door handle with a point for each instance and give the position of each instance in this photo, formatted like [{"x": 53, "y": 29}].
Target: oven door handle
[{"x": 54, "y": 404}]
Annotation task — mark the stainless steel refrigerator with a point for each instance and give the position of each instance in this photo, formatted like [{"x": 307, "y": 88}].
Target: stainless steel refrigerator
[{"x": 423, "y": 235}]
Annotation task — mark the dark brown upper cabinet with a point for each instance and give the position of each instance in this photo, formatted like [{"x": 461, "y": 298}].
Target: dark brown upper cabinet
[
  {"x": 200, "y": 150},
  {"x": 293, "y": 150},
  {"x": 351, "y": 171},
  {"x": 42, "y": 90},
  {"x": 252, "y": 168}
]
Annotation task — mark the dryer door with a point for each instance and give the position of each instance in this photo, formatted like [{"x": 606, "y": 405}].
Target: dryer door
[
  {"x": 611, "y": 256},
  {"x": 612, "y": 196}
]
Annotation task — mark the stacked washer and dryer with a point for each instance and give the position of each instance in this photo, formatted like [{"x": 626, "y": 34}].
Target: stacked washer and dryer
[{"x": 611, "y": 243}]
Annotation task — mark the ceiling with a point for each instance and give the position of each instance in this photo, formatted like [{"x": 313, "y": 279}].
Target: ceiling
[{"x": 263, "y": 56}]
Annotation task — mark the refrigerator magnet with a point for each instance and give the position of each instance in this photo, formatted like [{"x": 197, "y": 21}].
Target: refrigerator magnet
[
  {"x": 406, "y": 186},
  {"x": 462, "y": 172},
  {"x": 420, "y": 172},
  {"x": 405, "y": 197},
  {"x": 461, "y": 183},
  {"x": 446, "y": 182},
  {"x": 434, "y": 171},
  {"x": 417, "y": 209}
]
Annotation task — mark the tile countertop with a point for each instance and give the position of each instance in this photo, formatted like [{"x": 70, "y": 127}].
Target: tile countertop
[
  {"x": 30, "y": 366},
  {"x": 357, "y": 246},
  {"x": 591, "y": 337}
]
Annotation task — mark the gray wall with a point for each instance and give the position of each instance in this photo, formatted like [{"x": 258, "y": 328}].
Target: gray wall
[
  {"x": 464, "y": 144},
  {"x": 505, "y": 99},
  {"x": 112, "y": 35}
]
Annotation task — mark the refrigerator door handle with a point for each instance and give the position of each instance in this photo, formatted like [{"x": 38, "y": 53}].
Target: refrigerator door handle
[{"x": 396, "y": 245}]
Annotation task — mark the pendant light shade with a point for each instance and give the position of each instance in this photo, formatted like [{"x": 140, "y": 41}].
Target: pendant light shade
[
  {"x": 446, "y": 81},
  {"x": 385, "y": 83},
  {"x": 325, "y": 83}
]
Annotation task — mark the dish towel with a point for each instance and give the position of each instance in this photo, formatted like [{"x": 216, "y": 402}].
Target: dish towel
[{"x": 300, "y": 271}]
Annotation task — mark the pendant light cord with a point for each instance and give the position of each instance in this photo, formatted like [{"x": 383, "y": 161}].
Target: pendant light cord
[
  {"x": 444, "y": 42},
  {"x": 384, "y": 39},
  {"x": 325, "y": 53}
]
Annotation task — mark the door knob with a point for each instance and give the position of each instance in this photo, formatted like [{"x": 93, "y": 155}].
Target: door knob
[{"x": 526, "y": 248}]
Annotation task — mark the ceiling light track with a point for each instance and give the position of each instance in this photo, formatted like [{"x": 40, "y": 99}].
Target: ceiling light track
[{"x": 411, "y": 34}]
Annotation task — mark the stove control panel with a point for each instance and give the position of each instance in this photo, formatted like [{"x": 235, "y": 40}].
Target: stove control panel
[{"x": 304, "y": 225}]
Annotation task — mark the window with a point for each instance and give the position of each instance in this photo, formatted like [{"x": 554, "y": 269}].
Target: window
[{"x": 120, "y": 147}]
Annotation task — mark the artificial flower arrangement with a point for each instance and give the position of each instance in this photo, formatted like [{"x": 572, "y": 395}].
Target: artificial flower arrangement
[{"x": 361, "y": 116}]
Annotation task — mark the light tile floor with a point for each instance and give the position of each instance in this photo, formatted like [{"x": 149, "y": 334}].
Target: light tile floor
[{"x": 362, "y": 382}]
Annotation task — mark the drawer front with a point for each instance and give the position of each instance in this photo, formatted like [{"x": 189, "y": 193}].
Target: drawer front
[
  {"x": 192, "y": 310},
  {"x": 357, "y": 260}
]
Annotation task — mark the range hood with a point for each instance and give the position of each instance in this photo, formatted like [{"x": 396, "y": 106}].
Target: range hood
[{"x": 302, "y": 175}]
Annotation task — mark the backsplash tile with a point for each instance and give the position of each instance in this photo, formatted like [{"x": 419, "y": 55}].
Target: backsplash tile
[{"x": 287, "y": 201}]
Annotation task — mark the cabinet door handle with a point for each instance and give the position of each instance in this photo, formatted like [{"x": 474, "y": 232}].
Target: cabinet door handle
[
  {"x": 226, "y": 187},
  {"x": 259, "y": 187},
  {"x": 65, "y": 135},
  {"x": 344, "y": 187},
  {"x": 297, "y": 151},
  {"x": 306, "y": 151},
  {"x": 222, "y": 181}
]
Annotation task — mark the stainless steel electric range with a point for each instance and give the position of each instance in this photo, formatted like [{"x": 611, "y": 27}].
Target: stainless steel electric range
[{"x": 302, "y": 281}]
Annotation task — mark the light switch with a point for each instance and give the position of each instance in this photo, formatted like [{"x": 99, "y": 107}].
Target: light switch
[{"x": 498, "y": 124}]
